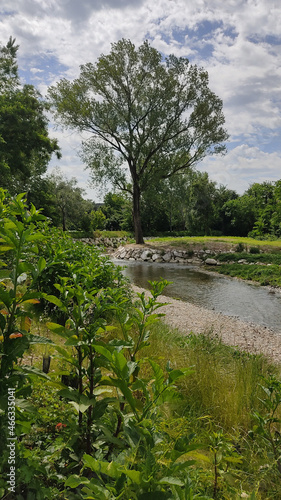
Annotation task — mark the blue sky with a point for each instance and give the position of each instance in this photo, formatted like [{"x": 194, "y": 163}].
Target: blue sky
[{"x": 237, "y": 41}]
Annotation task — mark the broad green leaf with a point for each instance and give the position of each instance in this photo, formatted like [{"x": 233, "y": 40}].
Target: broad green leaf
[
  {"x": 175, "y": 374},
  {"x": 6, "y": 248},
  {"x": 126, "y": 391},
  {"x": 134, "y": 475},
  {"x": 41, "y": 264},
  {"x": 104, "y": 351},
  {"x": 37, "y": 339},
  {"x": 55, "y": 300},
  {"x": 5, "y": 297},
  {"x": 79, "y": 407},
  {"x": 71, "y": 394},
  {"x": 74, "y": 481},
  {"x": 23, "y": 267},
  {"x": 73, "y": 341},
  {"x": 25, "y": 405},
  {"x": 111, "y": 469},
  {"x": 171, "y": 480},
  {"x": 31, "y": 370},
  {"x": 59, "y": 329}
]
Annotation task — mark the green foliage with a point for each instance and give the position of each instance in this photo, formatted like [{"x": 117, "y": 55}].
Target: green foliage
[
  {"x": 268, "y": 421},
  {"x": 264, "y": 258},
  {"x": 155, "y": 141},
  {"x": 19, "y": 238},
  {"x": 131, "y": 419},
  {"x": 25, "y": 145},
  {"x": 118, "y": 211},
  {"x": 254, "y": 250},
  {"x": 97, "y": 220},
  {"x": 265, "y": 275},
  {"x": 64, "y": 204},
  {"x": 240, "y": 247},
  {"x": 19, "y": 246}
]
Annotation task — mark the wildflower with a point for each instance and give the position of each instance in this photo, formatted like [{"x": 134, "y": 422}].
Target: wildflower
[
  {"x": 60, "y": 426},
  {"x": 15, "y": 335}
]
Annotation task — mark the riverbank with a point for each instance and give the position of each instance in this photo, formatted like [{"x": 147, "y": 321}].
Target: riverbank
[{"x": 248, "y": 337}]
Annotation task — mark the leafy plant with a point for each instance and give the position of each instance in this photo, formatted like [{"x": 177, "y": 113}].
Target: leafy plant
[
  {"x": 268, "y": 424},
  {"x": 19, "y": 239}
]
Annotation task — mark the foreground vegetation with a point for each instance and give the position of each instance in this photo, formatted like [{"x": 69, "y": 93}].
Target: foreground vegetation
[{"x": 129, "y": 410}]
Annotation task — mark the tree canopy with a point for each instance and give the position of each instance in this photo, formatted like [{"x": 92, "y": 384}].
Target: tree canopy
[
  {"x": 25, "y": 146},
  {"x": 152, "y": 117}
]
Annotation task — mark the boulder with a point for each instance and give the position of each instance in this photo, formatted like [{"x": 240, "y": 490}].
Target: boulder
[
  {"x": 155, "y": 256},
  {"x": 167, "y": 257},
  {"x": 146, "y": 254},
  {"x": 211, "y": 262}
]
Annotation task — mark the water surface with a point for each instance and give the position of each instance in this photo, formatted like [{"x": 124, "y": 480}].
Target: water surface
[{"x": 249, "y": 302}]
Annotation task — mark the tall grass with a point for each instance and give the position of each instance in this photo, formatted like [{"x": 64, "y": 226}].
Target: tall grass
[{"x": 224, "y": 383}]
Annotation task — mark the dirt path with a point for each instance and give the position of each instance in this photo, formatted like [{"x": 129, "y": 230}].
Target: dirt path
[{"x": 187, "y": 317}]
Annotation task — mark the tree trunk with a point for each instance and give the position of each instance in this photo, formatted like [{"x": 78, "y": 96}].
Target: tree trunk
[
  {"x": 63, "y": 220},
  {"x": 136, "y": 214}
]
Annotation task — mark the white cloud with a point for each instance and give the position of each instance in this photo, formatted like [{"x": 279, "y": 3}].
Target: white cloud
[
  {"x": 243, "y": 166},
  {"x": 237, "y": 41}
]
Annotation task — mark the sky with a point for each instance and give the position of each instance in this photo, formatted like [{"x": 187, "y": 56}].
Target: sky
[{"x": 237, "y": 41}]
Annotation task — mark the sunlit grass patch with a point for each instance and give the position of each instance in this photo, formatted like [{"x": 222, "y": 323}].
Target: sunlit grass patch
[{"x": 208, "y": 240}]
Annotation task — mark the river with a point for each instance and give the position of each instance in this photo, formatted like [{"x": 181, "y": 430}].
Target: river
[{"x": 248, "y": 302}]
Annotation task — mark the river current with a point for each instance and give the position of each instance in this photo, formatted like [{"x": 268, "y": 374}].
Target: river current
[{"x": 248, "y": 302}]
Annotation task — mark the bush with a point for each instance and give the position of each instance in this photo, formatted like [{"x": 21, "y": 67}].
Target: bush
[
  {"x": 240, "y": 248},
  {"x": 254, "y": 250}
]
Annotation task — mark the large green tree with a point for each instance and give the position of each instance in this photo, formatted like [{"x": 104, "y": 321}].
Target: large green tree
[
  {"x": 25, "y": 146},
  {"x": 147, "y": 116}
]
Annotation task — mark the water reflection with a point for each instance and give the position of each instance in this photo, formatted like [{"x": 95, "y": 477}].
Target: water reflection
[{"x": 250, "y": 303}]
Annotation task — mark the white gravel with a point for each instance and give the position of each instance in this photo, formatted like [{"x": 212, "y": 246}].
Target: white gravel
[{"x": 187, "y": 317}]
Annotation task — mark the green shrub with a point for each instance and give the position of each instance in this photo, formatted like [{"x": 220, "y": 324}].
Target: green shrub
[
  {"x": 240, "y": 247},
  {"x": 254, "y": 250}
]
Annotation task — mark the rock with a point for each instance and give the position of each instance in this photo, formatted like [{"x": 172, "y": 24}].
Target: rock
[
  {"x": 211, "y": 262},
  {"x": 145, "y": 255},
  {"x": 167, "y": 257},
  {"x": 177, "y": 253},
  {"x": 155, "y": 256}
]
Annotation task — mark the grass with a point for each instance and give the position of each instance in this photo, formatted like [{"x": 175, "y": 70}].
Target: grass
[
  {"x": 264, "y": 275},
  {"x": 224, "y": 380},
  {"x": 265, "y": 258},
  {"x": 220, "y": 396},
  {"x": 209, "y": 240}
]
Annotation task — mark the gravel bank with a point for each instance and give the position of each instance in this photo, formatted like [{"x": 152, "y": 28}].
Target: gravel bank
[{"x": 187, "y": 317}]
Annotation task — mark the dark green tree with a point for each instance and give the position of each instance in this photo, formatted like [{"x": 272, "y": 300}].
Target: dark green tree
[
  {"x": 150, "y": 117},
  {"x": 117, "y": 208},
  {"x": 71, "y": 207},
  {"x": 25, "y": 146},
  {"x": 240, "y": 215}
]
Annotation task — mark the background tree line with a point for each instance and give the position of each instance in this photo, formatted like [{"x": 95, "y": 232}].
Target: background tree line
[
  {"x": 172, "y": 197},
  {"x": 192, "y": 204}
]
